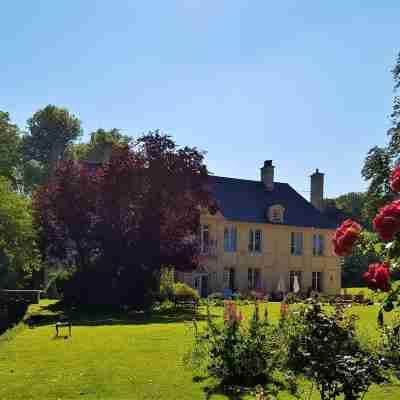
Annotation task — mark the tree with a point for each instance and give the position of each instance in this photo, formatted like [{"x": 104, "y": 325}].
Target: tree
[
  {"x": 10, "y": 154},
  {"x": 51, "y": 130},
  {"x": 136, "y": 214},
  {"x": 349, "y": 205},
  {"x": 380, "y": 160},
  {"x": 100, "y": 141},
  {"x": 19, "y": 255}
]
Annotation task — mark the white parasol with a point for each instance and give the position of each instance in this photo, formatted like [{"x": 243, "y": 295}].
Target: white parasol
[
  {"x": 281, "y": 285},
  {"x": 296, "y": 284}
]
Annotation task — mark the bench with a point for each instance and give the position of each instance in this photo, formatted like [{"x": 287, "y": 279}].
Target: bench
[{"x": 63, "y": 323}]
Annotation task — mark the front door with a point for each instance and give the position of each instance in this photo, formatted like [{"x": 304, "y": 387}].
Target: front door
[{"x": 204, "y": 286}]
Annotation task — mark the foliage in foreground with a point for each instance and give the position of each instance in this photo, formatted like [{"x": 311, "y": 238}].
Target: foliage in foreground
[
  {"x": 324, "y": 348},
  {"x": 234, "y": 353}
]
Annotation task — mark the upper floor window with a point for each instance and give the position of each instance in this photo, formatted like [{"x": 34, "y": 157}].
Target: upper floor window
[
  {"x": 205, "y": 238},
  {"x": 230, "y": 239},
  {"x": 296, "y": 246},
  {"x": 255, "y": 240},
  {"x": 275, "y": 214},
  {"x": 318, "y": 245}
]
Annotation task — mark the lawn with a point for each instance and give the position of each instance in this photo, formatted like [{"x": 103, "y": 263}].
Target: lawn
[{"x": 128, "y": 361}]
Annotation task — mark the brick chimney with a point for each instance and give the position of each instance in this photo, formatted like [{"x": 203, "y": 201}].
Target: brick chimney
[
  {"x": 317, "y": 190},
  {"x": 267, "y": 175}
]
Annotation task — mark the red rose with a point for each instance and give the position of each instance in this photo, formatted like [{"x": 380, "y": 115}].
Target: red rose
[
  {"x": 387, "y": 222},
  {"x": 395, "y": 180},
  {"x": 345, "y": 236},
  {"x": 378, "y": 277}
]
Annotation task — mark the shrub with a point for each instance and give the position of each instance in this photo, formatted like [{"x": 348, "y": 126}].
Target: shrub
[
  {"x": 391, "y": 343},
  {"x": 167, "y": 284},
  {"x": 324, "y": 348},
  {"x": 216, "y": 296},
  {"x": 183, "y": 292},
  {"x": 234, "y": 353}
]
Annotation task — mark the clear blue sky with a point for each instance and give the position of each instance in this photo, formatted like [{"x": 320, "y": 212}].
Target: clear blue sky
[{"x": 305, "y": 83}]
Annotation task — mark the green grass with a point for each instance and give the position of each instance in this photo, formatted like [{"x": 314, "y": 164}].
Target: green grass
[{"x": 140, "y": 360}]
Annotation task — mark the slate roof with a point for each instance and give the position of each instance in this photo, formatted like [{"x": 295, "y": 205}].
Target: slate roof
[{"x": 248, "y": 201}]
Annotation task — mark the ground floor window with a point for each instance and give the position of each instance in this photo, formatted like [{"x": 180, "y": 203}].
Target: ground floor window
[
  {"x": 229, "y": 278},
  {"x": 317, "y": 281},
  {"x": 292, "y": 274},
  {"x": 254, "y": 278}
]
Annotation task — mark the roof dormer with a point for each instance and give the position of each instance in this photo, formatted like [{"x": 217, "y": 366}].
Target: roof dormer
[{"x": 276, "y": 214}]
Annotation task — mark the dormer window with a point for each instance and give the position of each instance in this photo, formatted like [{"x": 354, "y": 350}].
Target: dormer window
[{"x": 276, "y": 213}]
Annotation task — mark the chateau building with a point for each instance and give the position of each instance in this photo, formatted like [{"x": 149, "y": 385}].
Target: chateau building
[{"x": 266, "y": 237}]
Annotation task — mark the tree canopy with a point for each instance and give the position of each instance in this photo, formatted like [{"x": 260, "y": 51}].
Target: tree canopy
[
  {"x": 10, "y": 150},
  {"x": 19, "y": 255},
  {"x": 121, "y": 224},
  {"x": 381, "y": 159},
  {"x": 50, "y": 131}
]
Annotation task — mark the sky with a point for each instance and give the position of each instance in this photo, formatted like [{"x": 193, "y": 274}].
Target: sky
[{"x": 304, "y": 83}]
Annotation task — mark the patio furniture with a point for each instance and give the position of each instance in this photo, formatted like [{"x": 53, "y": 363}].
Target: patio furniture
[{"x": 63, "y": 323}]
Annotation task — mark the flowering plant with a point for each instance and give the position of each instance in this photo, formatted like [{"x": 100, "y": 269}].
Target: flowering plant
[
  {"x": 236, "y": 352},
  {"x": 385, "y": 244}
]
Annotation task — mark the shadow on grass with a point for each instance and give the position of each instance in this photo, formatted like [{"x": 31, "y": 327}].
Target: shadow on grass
[
  {"x": 233, "y": 391},
  {"x": 95, "y": 316}
]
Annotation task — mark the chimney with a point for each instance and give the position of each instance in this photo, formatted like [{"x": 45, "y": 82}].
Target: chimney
[
  {"x": 267, "y": 175},
  {"x": 317, "y": 190}
]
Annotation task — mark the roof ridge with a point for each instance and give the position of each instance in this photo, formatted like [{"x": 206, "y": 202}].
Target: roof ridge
[{"x": 244, "y": 180}]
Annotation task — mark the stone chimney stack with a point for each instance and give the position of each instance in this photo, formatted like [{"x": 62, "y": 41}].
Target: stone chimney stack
[
  {"x": 267, "y": 175},
  {"x": 317, "y": 190}
]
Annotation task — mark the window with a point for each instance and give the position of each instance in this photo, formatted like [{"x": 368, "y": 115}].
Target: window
[
  {"x": 292, "y": 274},
  {"x": 229, "y": 278},
  {"x": 296, "y": 243},
  {"x": 318, "y": 245},
  {"x": 317, "y": 281},
  {"x": 205, "y": 239},
  {"x": 255, "y": 240},
  {"x": 254, "y": 278},
  {"x": 230, "y": 239}
]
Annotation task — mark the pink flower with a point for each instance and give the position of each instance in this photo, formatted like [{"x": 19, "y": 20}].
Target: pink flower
[
  {"x": 378, "y": 277},
  {"x": 387, "y": 222},
  {"x": 345, "y": 237},
  {"x": 395, "y": 180}
]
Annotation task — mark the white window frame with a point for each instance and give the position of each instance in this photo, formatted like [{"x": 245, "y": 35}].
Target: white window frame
[
  {"x": 296, "y": 243},
  {"x": 318, "y": 244},
  {"x": 317, "y": 278},
  {"x": 255, "y": 241},
  {"x": 230, "y": 239},
  {"x": 205, "y": 244},
  {"x": 252, "y": 282}
]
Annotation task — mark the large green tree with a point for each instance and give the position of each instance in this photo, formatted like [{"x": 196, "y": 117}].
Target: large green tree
[
  {"x": 19, "y": 255},
  {"x": 381, "y": 159},
  {"x": 10, "y": 149},
  {"x": 50, "y": 131},
  {"x": 100, "y": 140}
]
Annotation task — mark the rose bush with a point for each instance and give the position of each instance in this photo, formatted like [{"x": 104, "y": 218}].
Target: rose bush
[
  {"x": 384, "y": 245},
  {"x": 345, "y": 237},
  {"x": 387, "y": 222},
  {"x": 395, "y": 180},
  {"x": 378, "y": 277}
]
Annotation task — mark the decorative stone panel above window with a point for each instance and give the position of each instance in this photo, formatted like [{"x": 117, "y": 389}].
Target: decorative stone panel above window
[{"x": 276, "y": 214}]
